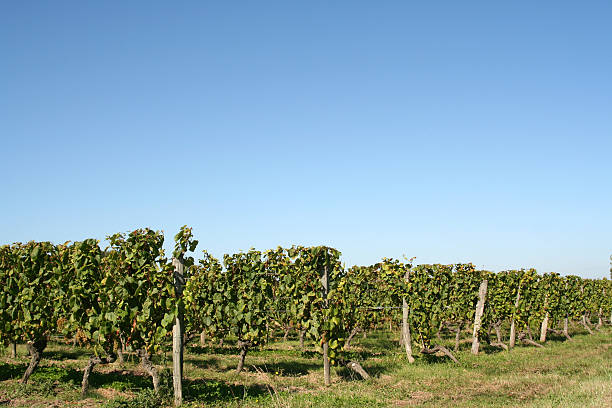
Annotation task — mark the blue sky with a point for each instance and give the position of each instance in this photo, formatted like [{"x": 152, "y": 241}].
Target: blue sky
[{"x": 450, "y": 131}]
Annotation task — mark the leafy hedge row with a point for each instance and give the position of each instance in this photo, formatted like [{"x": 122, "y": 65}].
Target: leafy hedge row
[{"x": 123, "y": 297}]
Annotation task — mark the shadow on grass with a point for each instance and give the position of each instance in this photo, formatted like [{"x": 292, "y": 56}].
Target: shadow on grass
[
  {"x": 433, "y": 359},
  {"x": 61, "y": 354},
  {"x": 362, "y": 354},
  {"x": 211, "y": 391},
  {"x": 120, "y": 380},
  {"x": 487, "y": 349},
  {"x": 117, "y": 379},
  {"x": 290, "y": 368},
  {"x": 209, "y": 362},
  {"x": 308, "y": 354},
  {"x": 70, "y": 378},
  {"x": 11, "y": 371},
  {"x": 42, "y": 373},
  {"x": 46, "y": 381},
  {"x": 212, "y": 350}
]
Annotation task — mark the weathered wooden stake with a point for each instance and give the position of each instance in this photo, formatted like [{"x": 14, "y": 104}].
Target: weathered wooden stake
[
  {"x": 566, "y": 328},
  {"x": 513, "y": 323},
  {"x": 325, "y": 284},
  {"x": 405, "y": 327},
  {"x": 457, "y": 337},
  {"x": 482, "y": 296},
  {"x": 177, "y": 334},
  {"x": 584, "y": 317},
  {"x": 13, "y": 350},
  {"x": 544, "y": 328}
]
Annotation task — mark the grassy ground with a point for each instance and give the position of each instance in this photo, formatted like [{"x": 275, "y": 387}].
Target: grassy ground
[{"x": 563, "y": 374}]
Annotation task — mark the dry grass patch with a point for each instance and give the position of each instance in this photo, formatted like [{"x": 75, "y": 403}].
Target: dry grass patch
[{"x": 416, "y": 398}]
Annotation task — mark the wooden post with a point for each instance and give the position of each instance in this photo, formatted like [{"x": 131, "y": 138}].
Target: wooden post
[
  {"x": 177, "y": 334},
  {"x": 325, "y": 285},
  {"x": 482, "y": 296},
  {"x": 13, "y": 350},
  {"x": 544, "y": 328},
  {"x": 405, "y": 327},
  {"x": 513, "y": 323}
]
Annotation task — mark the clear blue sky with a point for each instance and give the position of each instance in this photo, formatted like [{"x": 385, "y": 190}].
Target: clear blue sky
[{"x": 450, "y": 131}]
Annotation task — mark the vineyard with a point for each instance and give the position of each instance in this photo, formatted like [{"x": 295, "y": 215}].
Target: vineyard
[{"x": 129, "y": 301}]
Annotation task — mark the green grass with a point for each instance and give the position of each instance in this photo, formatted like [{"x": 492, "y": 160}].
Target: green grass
[{"x": 563, "y": 374}]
